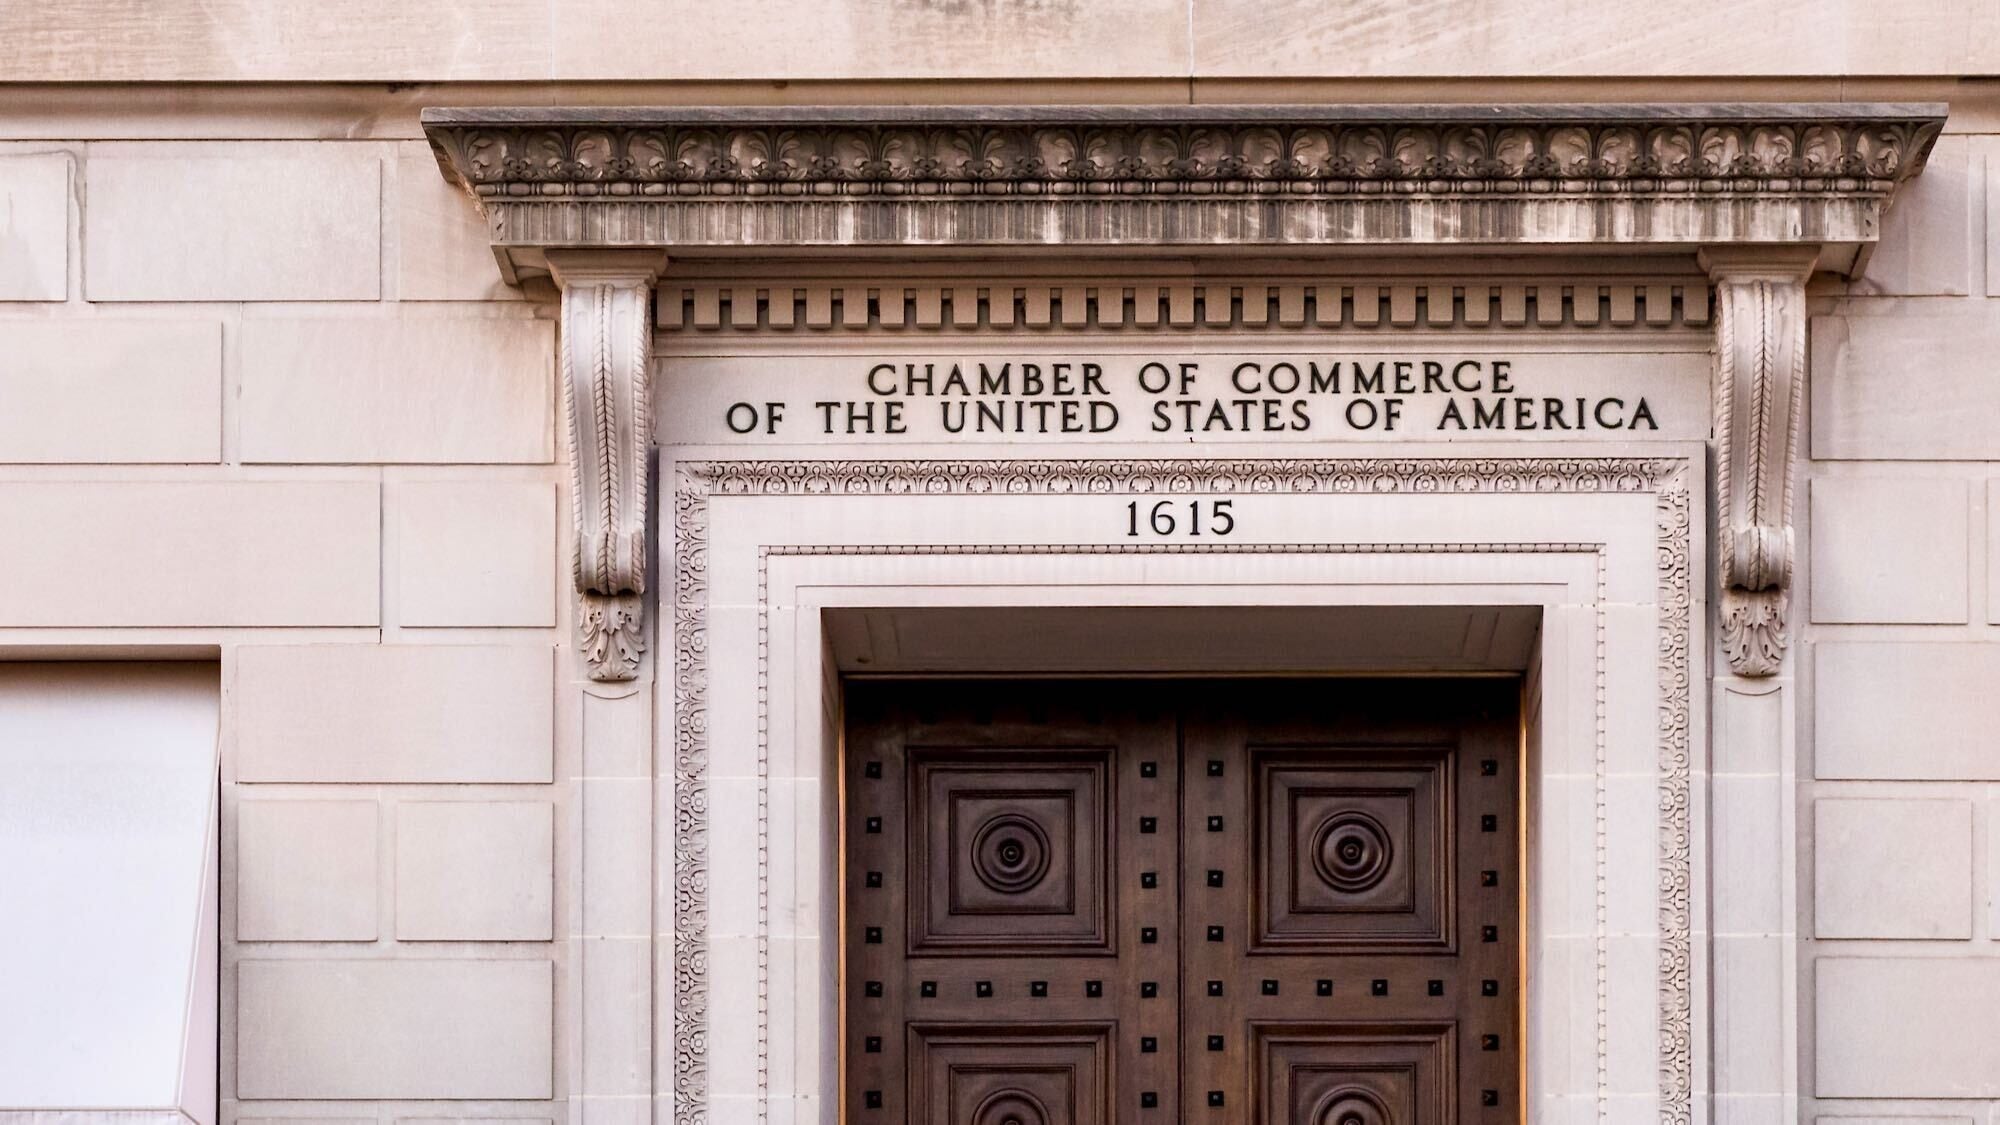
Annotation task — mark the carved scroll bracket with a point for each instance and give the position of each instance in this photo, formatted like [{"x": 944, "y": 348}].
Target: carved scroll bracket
[
  {"x": 605, "y": 349},
  {"x": 1760, "y": 373}
]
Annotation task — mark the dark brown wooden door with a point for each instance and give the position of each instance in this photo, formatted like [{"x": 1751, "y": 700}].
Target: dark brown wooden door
[{"x": 1075, "y": 903}]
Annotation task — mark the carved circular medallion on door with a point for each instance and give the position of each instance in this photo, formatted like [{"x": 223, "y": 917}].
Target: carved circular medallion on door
[
  {"x": 1352, "y": 851},
  {"x": 1010, "y": 853}
]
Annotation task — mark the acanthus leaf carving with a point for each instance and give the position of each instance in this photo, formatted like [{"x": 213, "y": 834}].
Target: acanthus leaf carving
[
  {"x": 606, "y": 345},
  {"x": 1760, "y": 372}
]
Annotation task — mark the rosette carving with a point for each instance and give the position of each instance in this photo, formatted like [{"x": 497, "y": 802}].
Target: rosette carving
[{"x": 607, "y": 396}]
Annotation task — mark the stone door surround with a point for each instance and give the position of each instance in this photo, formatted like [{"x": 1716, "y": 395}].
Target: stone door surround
[
  {"x": 1762, "y": 194},
  {"x": 1757, "y": 197}
]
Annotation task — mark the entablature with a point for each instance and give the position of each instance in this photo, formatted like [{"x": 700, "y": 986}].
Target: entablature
[{"x": 1569, "y": 216}]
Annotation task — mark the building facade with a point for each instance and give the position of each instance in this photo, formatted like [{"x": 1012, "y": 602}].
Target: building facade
[{"x": 1013, "y": 562}]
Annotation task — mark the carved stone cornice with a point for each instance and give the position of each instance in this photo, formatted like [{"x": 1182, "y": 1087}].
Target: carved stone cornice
[
  {"x": 1760, "y": 374},
  {"x": 605, "y": 363},
  {"x": 1181, "y": 176}
]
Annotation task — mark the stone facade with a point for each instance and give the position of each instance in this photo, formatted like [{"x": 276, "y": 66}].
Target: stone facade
[{"x": 389, "y": 430}]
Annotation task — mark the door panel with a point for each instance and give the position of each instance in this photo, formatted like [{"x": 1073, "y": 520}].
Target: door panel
[
  {"x": 1010, "y": 916},
  {"x": 1291, "y": 903},
  {"x": 1351, "y": 906}
]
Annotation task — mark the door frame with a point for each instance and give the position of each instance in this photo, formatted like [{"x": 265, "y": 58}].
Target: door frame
[{"x": 763, "y": 551}]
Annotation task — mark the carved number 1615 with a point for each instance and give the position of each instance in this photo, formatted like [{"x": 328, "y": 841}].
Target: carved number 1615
[{"x": 1179, "y": 517}]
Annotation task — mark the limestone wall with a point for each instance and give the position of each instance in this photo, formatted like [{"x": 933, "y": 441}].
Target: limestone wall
[
  {"x": 761, "y": 40},
  {"x": 1899, "y": 813},
  {"x": 270, "y": 397},
  {"x": 263, "y": 393}
]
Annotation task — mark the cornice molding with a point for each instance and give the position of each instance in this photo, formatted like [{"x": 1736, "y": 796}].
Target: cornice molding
[
  {"x": 1212, "y": 177},
  {"x": 1079, "y": 150}
]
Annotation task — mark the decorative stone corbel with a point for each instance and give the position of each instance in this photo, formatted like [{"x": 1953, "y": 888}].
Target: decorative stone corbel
[
  {"x": 606, "y": 346},
  {"x": 1760, "y": 373}
]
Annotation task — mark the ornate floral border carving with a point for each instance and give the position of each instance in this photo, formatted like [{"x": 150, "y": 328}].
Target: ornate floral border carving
[{"x": 1666, "y": 478}]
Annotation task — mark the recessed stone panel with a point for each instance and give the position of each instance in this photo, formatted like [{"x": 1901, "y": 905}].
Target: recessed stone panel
[
  {"x": 394, "y": 713},
  {"x": 1914, "y": 384},
  {"x": 474, "y": 553},
  {"x": 474, "y": 870},
  {"x": 1892, "y": 868},
  {"x": 1906, "y": 711},
  {"x": 190, "y": 222},
  {"x": 209, "y": 553},
  {"x": 1888, "y": 1027},
  {"x": 111, "y": 391},
  {"x": 419, "y": 389},
  {"x": 305, "y": 870},
  {"x": 1889, "y": 550},
  {"x": 381, "y": 1029}
]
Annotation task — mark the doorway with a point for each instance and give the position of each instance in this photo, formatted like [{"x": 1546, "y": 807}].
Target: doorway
[{"x": 1092, "y": 900}]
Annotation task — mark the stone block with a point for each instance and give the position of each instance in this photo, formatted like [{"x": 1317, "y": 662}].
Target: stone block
[
  {"x": 111, "y": 391},
  {"x": 382, "y": 1029},
  {"x": 305, "y": 870},
  {"x": 1889, "y": 551},
  {"x": 1906, "y": 1028},
  {"x": 848, "y": 39},
  {"x": 443, "y": 249},
  {"x": 178, "y": 222},
  {"x": 474, "y": 553},
  {"x": 1892, "y": 868},
  {"x": 379, "y": 41},
  {"x": 1907, "y": 386},
  {"x": 475, "y": 871},
  {"x": 410, "y": 389},
  {"x": 1233, "y": 39},
  {"x": 394, "y": 713},
  {"x": 1926, "y": 248},
  {"x": 1906, "y": 711},
  {"x": 34, "y": 226},
  {"x": 207, "y": 553}
]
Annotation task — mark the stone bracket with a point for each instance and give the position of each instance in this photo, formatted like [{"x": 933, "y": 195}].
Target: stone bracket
[
  {"x": 1760, "y": 373},
  {"x": 605, "y": 356}
]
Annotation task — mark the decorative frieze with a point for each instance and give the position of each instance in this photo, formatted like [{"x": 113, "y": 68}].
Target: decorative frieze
[
  {"x": 1760, "y": 372},
  {"x": 605, "y": 352}
]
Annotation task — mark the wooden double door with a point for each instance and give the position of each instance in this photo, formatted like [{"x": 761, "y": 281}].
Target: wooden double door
[{"x": 1083, "y": 902}]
